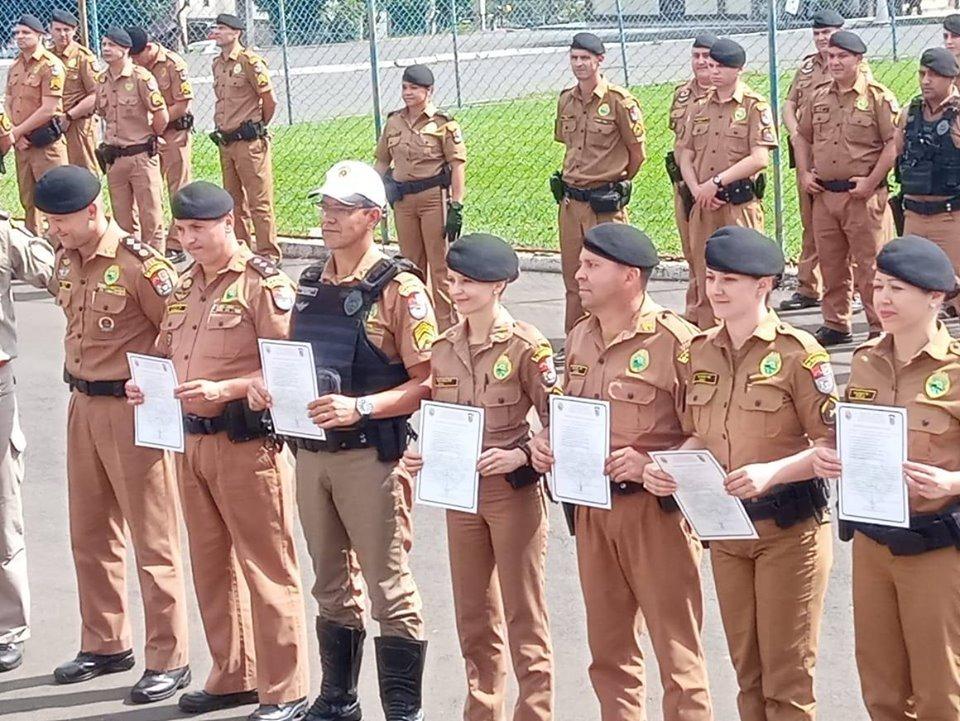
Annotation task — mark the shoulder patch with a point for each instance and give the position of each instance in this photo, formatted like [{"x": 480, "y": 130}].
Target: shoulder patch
[{"x": 408, "y": 282}]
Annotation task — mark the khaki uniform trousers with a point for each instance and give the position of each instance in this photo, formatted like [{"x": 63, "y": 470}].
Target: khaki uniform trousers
[
  {"x": 420, "y": 218},
  {"x": 115, "y": 486},
  {"x": 906, "y": 614},
  {"x": 808, "y": 271},
  {"x": 702, "y": 224},
  {"x": 849, "y": 231},
  {"x": 575, "y": 218},
  {"x": 175, "y": 168},
  {"x": 81, "y": 138},
  {"x": 683, "y": 229},
  {"x": 497, "y": 566},
  {"x": 943, "y": 229},
  {"x": 355, "y": 512},
  {"x": 640, "y": 565},
  {"x": 238, "y": 507},
  {"x": 771, "y": 593},
  {"x": 14, "y": 592},
  {"x": 31, "y": 164},
  {"x": 136, "y": 196},
  {"x": 248, "y": 177}
]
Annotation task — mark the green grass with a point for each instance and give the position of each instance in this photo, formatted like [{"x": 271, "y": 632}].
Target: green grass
[{"x": 511, "y": 155}]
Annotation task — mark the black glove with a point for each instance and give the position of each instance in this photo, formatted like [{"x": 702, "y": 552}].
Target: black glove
[{"x": 454, "y": 222}]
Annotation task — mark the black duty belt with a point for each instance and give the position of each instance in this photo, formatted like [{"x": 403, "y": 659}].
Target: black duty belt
[
  {"x": 401, "y": 188},
  {"x": 125, "y": 151},
  {"x": 203, "y": 426},
  {"x": 836, "y": 186},
  {"x": 927, "y": 532},
  {"x": 794, "y": 503},
  {"x": 626, "y": 488},
  {"x": 740, "y": 191},
  {"x": 336, "y": 440},
  {"x": 247, "y": 131},
  {"x": 117, "y": 389},
  {"x": 932, "y": 207},
  {"x": 584, "y": 194}
]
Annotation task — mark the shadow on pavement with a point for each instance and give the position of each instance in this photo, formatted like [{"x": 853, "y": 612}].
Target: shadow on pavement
[{"x": 68, "y": 700}]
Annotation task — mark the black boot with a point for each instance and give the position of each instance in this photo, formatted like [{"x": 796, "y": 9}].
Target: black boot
[
  {"x": 400, "y": 669},
  {"x": 341, "y": 650}
]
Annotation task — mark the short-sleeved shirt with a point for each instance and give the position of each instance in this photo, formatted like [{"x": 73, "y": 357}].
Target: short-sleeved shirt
[
  {"x": 30, "y": 80},
  {"x": 928, "y": 386},
  {"x": 811, "y": 74},
  {"x": 24, "y": 257},
  {"x": 239, "y": 81},
  {"x": 113, "y": 301},
  {"x": 210, "y": 330},
  {"x": 721, "y": 133},
  {"x": 510, "y": 373},
  {"x": 598, "y": 131},
  {"x": 127, "y": 103},
  {"x": 421, "y": 149},
  {"x": 847, "y": 130},
  {"x": 640, "y": 373},
  {"x": 170, "y": 70},
  {"x": 685, "y": 96},
  {"x": 930, "y": 114},
  {"x": 402, "y": 324},
  {"x": 771, "y": 398},
  {"x": 81, "y": 69}
]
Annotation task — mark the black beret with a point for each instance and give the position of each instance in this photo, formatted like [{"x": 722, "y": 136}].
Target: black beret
[
  {"x": 66, "y": 17},
  {"x": 119, "y": 36},
  {"x": 919, "y": 262},
  {"x": 704, "y": 40},
  {"x": 231, "y": 21},
  {"x": 728, "y": 53},
  {"x": 941, "y": 61},
  {"x": 827, "y": 18},
  {"x": 483, "y": 257},
  {"x": 622, "y": 244},
  {"x": 32, "y": 22},
  {"x": 849, "y": 41},
  {"x": 745, "y": 251},
  {"x": 952, "y": 23},
  {"x": 138, "y": 39},
  {"x": 589, "y": 42},
  {"x": 418, "y": 75},
  {"x": 201, "y": 200},
  {"x": 65, "y": 189}
]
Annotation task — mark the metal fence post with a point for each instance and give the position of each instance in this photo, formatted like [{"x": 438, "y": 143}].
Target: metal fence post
[
  {"x": 286, "y": 60},
  {"x": 893, "y": 28},
  {"x": 94, "y": 27},
  {"x": 775, "y": 110},
  {"x": 623, "y": 44},
  {"x": 454, "y": 21},
  {"x": 375, "y": 88}
]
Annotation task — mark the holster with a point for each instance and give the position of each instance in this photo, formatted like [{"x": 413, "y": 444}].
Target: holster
[
  {"x": 523, "y": 476},
  {"x": 184, "y": 122},
  {"x": 742, "y": 191},
  {"x": 105, "y": 155},
  {"x": 556, "y": 186},
  {"x": 612, "y": 198},
  {"x": 791, "y": 155},
  {"x": 794, "y": 503},
  {"x": 927, "y": 532},
  {"x": 46, "y": 134},
  {"x": 896, "y": 209},
  {"x": 3, "y": 166},
  {"x": 242, "y": 423},
  {"x": 686, "y": 197},
  {"x": 247, "y": 131},
  {"x": 570, "y": 516},
  {"x": 673, "y": 169}
]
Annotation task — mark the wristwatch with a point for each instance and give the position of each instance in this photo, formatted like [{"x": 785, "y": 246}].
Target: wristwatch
[
  {"x": 717, "y": 181},
  {"x": 365, "y": 407}
]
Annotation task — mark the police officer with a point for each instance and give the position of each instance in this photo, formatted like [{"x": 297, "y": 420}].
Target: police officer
[
  {"x": 498, "y": 554},
  {"x": 170, "y": 71},
  {"x": 234, "y": 481},
  {"x": 601, "y": 127},
  {"x": 760, "y": 394},
  {"x": 29, "y": 259},
  {"x": 135, "y": 116},
  {"x": 33, "y": 101},
  {"x": 906, "y": 581},
  {"x": 422, "y": 158},
  {"x": 811, "y": 74},
  {"x": 639, "y": 561},
  {"x": 371, "y": 326},
  {"x": 112, "y": 289},
  {"x": 685, "y": 96},
  {"x": 951, "y": 34},
  {"x": 79, "y": 90},
  {"x": 246, "y": 103},
  {"x": 845, "y": 146},
  {"x": 722, "y": 152}
]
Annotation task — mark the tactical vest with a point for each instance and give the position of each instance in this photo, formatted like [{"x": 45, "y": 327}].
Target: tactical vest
[{"x": 930, "y": 163}]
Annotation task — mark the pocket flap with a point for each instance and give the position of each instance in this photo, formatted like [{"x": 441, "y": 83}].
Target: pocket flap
[
  {"x": 632, "y": 392},
  {"x": 503, "y": 394},
  {"x": 699, "y": 394},
  {"x": 104, "y": 302},
  {"x": 762, "y": 398}
]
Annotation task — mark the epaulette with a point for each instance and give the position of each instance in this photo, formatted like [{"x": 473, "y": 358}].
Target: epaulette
[
  {"x": 265, "y": 267},
  {"x": 678, "y": 327},
  {"x": 749, "y": 92},
  {"x": 867, "y": 345},
  {"x": 84, "y": 50},
  {"x": 154, "y": 266},
  {"x": 252, "y": 56},
  {"x": 141, "y": 72},
  {"x": 530, "y": 335},
  {"x": 142, "y": 251},
  {"x": 807, "y": 341},
  {"x": 394, "y": 112}
]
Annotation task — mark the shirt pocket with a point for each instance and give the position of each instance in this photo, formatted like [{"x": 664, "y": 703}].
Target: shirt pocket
[
  {"x": 632, "y": 406},
  {"x": 929, "y": 426},
  {"x": 63, "y": 294},
  {"x": 429, "y": 145},
  {"x": 738, "y": 138},
  {"x": 446, "y": 394},
  {"x": 106, "y": 309},
  {"x": 501, "y": 403},
  {"x": 862, "y": 129},
  {"x": 602, "y": 134},
  {"x": 700, "y": 133},
  {"x": 568, "y": 125},
  {"x": 127, "y": 106},
  {"x": 766, "y": 410},
  {"x": 220, "y": 341},
  {"x": 699, "y": 401}
]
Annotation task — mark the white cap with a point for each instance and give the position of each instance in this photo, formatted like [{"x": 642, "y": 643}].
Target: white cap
[{"x": 348, "y": 179}]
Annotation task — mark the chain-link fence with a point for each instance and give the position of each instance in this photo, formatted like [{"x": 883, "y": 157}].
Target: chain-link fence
[{"x": 499, "y": 65}]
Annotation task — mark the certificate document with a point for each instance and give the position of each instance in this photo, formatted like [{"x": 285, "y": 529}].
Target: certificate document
[
  {"x": 580, "y": 441},
  {"x": 451, "y": 440},
  {"x": 158, "y": 421},
  {"x": 714, "y": 514},
  {"x": 291, "y": 380},
  {"x": 872, "y": 445}
]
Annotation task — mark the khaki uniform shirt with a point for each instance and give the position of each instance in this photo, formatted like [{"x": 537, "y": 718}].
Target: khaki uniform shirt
[
  {"x": 170, "y": 71},
  {"x": 930, "y": 113},
  {"x": 127, "y": 103},
  {"x": 31, "y": 79},
  {"x": 510, "y": 373},
  {"x": 685, "y": 96},
  {"x": 210, "y": 330},
  {"x": 811, "y": 74},
  {"x": 81, "y": 68},
  {"x": 597, "y": 131},
  {"x": 113, "y": 301},
  {"x": 722, "y": 133},
  {"x": 238, "y": 82},
  {"x": 640, "y": 373},
  {"x": 769, "y": 399},
  {"x": 848, "y": 130},
  {"x": 401, "y": 324},
  {"x": 420, "y": 150},
  {"x": 23, "y": 257},
  {"x": 928, "y": 386}
]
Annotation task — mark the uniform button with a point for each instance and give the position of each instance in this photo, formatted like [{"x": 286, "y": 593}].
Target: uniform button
[
  {"x": 81, "y": 309},
  {"x": 724, "y": 436},
  {"x": 220, "y": 324},
  {"x": 596, "y": 395},
  {"x": 925, "y": 423},
  {"x": 105, "y": 307},
  {"x": 756, "y": 404},
  {"x": 203, "y": 299},
  {"x": 630, "y": 396},
  {"x": 499, "y": 400},
  {"x": 76, "y": 360},
  {"x": 83, "y": 281},
  {"x": 194, "y": 327},
  {"x": 600, "y": 362},
  {"x": 724, "y": 404},
  {"x": 186, "y": 357}
]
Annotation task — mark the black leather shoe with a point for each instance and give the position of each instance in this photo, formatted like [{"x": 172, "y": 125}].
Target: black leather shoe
[
  {"x": 829, "y": 336},
  {"x": 11, "y": 656},
  {"x": 203, "y": 702},
  {"x": 90, "y": 665},
  {"x": 799, "y": 301},
  {"x": 289, "y": 711},
  {"x": 158, "y": 685}
]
